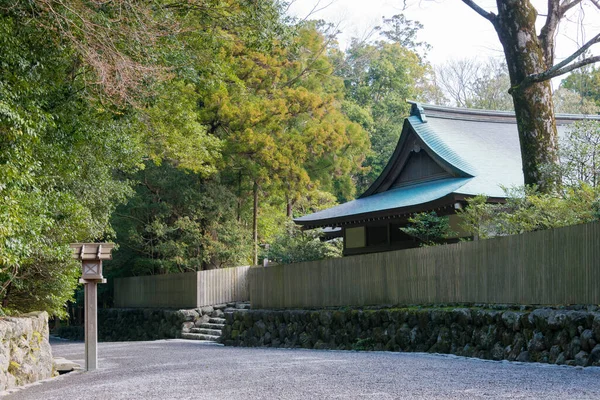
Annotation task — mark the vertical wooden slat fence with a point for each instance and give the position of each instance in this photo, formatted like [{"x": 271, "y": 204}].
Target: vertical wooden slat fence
[
  {"x": 165, "y": 291},
  {"x": 185, "y": 290},
  {"x": 222, "y": 285},
  {"x": 559, "y": 266}
]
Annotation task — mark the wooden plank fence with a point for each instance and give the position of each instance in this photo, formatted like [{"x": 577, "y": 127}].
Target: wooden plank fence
[
  {"x": 559, "y": 266},
  {"x": 219, "y": 286},
  {"x": 184, "y": 290}
]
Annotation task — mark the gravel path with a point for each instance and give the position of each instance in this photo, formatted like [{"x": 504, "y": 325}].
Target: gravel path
[{"x": 178, "y": 369}]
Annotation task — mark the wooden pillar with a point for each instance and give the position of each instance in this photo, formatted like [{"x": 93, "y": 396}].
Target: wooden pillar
[
  {"x": 255, "y": 224},
  {"x": 91, "y": 325},
  {"x": 389, "y": 235},
  {"x": 91, "y": 256}
]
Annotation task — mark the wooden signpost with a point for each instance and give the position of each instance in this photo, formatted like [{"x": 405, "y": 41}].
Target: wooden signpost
[{"x": 91, "y": 256}]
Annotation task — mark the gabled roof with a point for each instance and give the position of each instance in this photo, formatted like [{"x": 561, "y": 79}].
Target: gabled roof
[{"x": 466, "y": 153}]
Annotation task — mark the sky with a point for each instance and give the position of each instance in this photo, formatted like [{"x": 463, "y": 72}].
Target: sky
[{"x": 453, "y": 29}]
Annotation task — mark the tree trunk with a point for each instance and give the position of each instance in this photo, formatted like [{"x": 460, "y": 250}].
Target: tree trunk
[
  {"x": 534, "y": 109},
  {"x": 255, "y": 224},
  {"x": 6, "y": 296},
  {"x": 239, "y": 198},
  {"x": 288, "y": 207}
]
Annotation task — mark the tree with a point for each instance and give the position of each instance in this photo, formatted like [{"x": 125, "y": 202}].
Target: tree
[
  {"x": 279, "y": 117},
  {"x": 78, "y": 114},
  {"x": 570, "y": 102},
  {"x": 59, "y": 154},
  {"x": 294, "y": 245},
  {"x": 526, "y": 210},
  {"x": 474, "y": 84},
  {"x": 530, "y": 61},
  {"x": 398, "y": 29},
  {"x": 103, "y": 38},
  {"x": 177, "y": 221},
  {"x": 585, "y": 82},
  {"x": 379, "y": 77},
  {"x": 429, "y": 228},
  {"x": 580, "y": 154}
]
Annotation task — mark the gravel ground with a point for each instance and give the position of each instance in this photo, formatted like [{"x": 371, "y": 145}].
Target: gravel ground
[{"x": 178, "y": 369}]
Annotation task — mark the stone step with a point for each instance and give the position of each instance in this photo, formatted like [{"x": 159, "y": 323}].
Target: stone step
[
  {"x": 199, "y": 336},
  {"x": 208, "y": 342},
  {"x": 214, "y": 332},
  {"x": 211, "y": 326},
  {"x": 62, "y": 365},
  {"x": 215, "y": 320}
]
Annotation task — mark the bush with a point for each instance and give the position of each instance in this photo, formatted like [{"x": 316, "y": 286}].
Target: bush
[
  {"x": 430, "y": 228},
  {"x": 527, "y": 210},
  {"x": 294, "y": 245}
]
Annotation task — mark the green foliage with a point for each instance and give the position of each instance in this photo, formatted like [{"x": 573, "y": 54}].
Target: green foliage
[
  {"x": 527, "y": 210},
  {"x": 363, "y": 344},
  {"x": 570, "y": 102},
  {"x": 313, "y": 201},
  {"x": 175, "y": 133},
  {"x": 379, "y": 77},
  {"x": 151, "y": 123},
  {"x": 279, "y": 117},
  {"x": 429, "y": 228},
  {"x": 399, "y": 29},
  {"x": 294, "y": 245},
  {"x": 70, "y": 333},
  {"x": 476, "y": 217},
  {"x": 585, "y": 82},
  {"x": 177, "y": 222},
  {"x": 58, "y": 154},
  {"x": 580, "y": 154}
]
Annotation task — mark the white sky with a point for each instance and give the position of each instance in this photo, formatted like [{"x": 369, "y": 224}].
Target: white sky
[{"x": 450, "y": 26}]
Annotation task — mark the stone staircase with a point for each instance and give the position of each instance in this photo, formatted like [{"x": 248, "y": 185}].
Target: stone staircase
[{"x": 208, "y": 325}]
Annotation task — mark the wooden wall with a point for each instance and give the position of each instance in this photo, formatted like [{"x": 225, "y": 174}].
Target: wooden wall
[
  {"x": 560, "y": 266},
  {"x": 219, "y": 286},
  {"x": 185, "y": 290},
  {"x": 160, "y": 291}
]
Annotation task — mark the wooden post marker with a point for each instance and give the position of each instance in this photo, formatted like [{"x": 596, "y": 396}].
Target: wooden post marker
[{"x": 91, "y": 256}]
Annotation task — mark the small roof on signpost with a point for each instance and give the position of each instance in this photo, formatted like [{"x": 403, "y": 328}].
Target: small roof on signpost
[{"x": 92, "y": 251}]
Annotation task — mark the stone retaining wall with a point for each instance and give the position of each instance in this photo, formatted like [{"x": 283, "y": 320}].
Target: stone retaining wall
[
  {"x": 130, "y": 324},
  {"x": 137, "y": 324},
  {"x": 25, "y": 353},
  {"x": 556, "y": 336}
]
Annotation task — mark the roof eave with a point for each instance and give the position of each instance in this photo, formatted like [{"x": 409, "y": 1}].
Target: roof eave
[{"x": 391, "y": 213}]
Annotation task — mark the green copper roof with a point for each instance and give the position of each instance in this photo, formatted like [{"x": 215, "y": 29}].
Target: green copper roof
[
  {"x": 435, "y": 142},
  {"x": 487, "y": 150},
  {"x": 396, "y": 198},
  {"x": 478, "y": 148}
]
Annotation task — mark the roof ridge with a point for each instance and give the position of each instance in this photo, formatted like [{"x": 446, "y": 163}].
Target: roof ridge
[{"x": 423, "y": 110}]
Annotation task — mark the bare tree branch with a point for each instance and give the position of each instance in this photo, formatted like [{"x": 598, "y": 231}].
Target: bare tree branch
[
  {"x": 553, "y": 72},
  {"x": 556, "y": 11},
  {"x": 546, "y": 36},
  {"x": 566, "y": 5},
  {"x": 485, "y": 14},
  {"x": 318, "y": 7},
  {"x": 580, "y": 51},
  {"x": 562, "y": 67}
]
